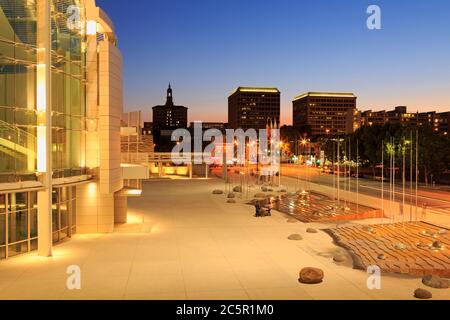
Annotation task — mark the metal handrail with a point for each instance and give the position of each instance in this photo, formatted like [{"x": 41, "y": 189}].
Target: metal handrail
[{"x": 16, "y": 137}]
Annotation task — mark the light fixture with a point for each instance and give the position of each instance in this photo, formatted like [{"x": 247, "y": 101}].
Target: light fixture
[{"x": 91, "y": 28}]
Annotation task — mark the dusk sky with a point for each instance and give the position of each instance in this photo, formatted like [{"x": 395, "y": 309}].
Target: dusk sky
[{"x": 207, "y": 48}]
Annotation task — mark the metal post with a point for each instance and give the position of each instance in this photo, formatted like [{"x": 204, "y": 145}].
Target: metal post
[
  {"x": 417, "y": 172},
  {"x": 382, "y": 177},
  {"x": 411, "y": 178},
  {"x": 403, "y": 181},
  {"x": 338, "y": 173},
  {"x": 44, "y": 107}
]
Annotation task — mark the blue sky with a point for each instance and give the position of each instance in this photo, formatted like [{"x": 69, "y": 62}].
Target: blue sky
[{"x": 206, "y": 48}]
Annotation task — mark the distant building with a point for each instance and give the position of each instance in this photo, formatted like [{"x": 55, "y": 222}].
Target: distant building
[
  {"x": 369, "y": 118},
  {"x": 326, "y": 113},
  {"x": 439, "y": 122},
  {"x": 253, "y": 108},
  {"x": 148, "y": 128},
  {"x": 169, "y": 116},
  {"x": 134, "y": 138},
  {"x": 211, "y": 125}
]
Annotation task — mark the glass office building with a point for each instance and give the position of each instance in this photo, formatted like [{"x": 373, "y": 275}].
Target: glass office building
[{"x": 19, "y": 183}]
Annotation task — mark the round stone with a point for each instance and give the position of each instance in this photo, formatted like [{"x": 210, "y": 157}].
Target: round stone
[
  {"x": 231, "y": 201},
  {"x": 369, "y": 229},
  {"x": 217, "y": 192},
  {"x": 311, "y": 230},
  {"x": 264, "y": 189},
  {"x": 231, "y": 196},
  {"x": 400, "y": 246},
  {"x": 437, "y": 245},
  {"x": 423, "y": 246},
  {"x": 381, "y": 257},
  {"x": 295, "y": 237},
  {"x": 423, "y": 294},
  {"x": 311, "y": 276},
  {"x": 339, "y": 258},
  {"x": 237, "y": 189},
  {"x": 436, "y": 282}
]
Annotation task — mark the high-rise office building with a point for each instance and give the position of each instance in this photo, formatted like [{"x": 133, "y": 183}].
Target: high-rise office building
[
  {"x": 169, "y": 116},
  {"x": 60, "y": 110},
  {"x": 326, "y": 114},
  {"x": 253, "y": 108}
]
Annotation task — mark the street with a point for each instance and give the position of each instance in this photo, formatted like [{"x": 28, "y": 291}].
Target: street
[{"x": 436, "y": 200}]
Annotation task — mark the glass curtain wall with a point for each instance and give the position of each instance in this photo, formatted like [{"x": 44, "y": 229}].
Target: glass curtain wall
[
  {"x": 18, "y": 120},
  {"x": 17, "y": 89},
  {"x": 18, "y": 220},
  {"x": 68, "y": 90}
]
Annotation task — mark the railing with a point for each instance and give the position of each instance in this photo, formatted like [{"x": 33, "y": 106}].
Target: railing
[
  {"x": 135, "y": 158},
  {"x": 146, "y": 158},
  {"x": 18, "y": 140}
]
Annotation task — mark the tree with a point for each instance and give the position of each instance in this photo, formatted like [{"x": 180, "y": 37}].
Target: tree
[
  {"x": 434, "y": 149},
  {"x": 434, "y": 153}
]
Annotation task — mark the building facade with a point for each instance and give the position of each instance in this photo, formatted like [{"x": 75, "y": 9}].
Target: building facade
[
  {"x": 253, "y": 108},
  {"x": 148, "y": 128},
  {"x": 60, "y": 110},
  {"x": 439, "y": 122},
  {"x": 326, "y": 114},
  {"x": 210, "y": 125},
  {"x": 169, "y": 116}
]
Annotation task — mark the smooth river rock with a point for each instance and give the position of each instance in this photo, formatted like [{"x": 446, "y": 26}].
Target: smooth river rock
[
  {"x": 400, "y": 246},
  {"x": 311, "y": 276},
  {"x": 437, "y": 245},
  {"x": 436, "y": 282},
  {"x": 295, "y": 237},
  {"x": 423, "y": 294},
  {"x": 382, "y": 256},
  {"x": 340, "y": 258}
]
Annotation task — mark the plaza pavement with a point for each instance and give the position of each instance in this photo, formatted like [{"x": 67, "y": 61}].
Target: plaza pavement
[{"x": 182, "y": 242}]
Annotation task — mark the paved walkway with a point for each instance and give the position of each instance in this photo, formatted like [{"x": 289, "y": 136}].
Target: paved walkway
[{"x": 184, "y": 243}]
